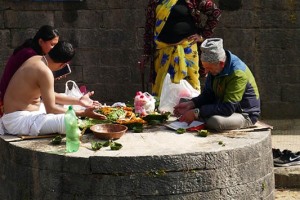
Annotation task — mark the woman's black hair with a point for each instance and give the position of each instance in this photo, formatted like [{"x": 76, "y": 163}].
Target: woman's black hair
[{"x": 45, "y": 33}]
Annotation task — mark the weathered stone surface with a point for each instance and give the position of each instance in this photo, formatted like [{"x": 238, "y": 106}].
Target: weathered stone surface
[
  {"x": 26, "y": 19},
  {"x": 287, "y": 177},
  {"x": 79, "y": 19},
  {"x": 155, "y": 164},
  {"x": 285, "y": 110}
]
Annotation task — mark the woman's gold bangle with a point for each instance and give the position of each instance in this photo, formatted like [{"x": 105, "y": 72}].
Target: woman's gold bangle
[{"x": 201, "y": 38}]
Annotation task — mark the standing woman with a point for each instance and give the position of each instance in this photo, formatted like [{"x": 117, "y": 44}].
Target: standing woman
[
  {"x": 173, "y": 32},
  {"x": 44, "y": 40}
]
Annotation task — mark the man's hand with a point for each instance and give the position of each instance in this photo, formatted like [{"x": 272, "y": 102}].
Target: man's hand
[
  {"x": 183, "y": 107},
  {"x": 60, "y": 77},
  {"x": 89, "y": 112},
  {"x": 188, "y": 117},
  {"x": 87, "y": 102}
]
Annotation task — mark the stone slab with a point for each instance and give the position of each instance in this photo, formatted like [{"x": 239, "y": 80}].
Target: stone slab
[{"x": 155, "y": 164}]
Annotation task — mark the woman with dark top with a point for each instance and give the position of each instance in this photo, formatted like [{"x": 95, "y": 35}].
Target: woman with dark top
[
  {"x": 173, "y": 31},
  {"x": 44, "y": 40}
]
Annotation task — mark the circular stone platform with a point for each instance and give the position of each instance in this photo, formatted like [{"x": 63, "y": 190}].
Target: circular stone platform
[{"x": 156, "y": 164}]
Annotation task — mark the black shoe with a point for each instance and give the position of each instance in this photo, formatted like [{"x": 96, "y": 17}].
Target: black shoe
[
  {"x": 276, "y": 153},
  {"x": 288, "y": 158}
]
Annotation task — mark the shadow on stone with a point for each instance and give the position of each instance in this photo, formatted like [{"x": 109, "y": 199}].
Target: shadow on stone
[{"x": 230, "y": 5}]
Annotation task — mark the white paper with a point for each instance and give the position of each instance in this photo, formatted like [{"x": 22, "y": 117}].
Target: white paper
[{"x": 176, "y": 125}]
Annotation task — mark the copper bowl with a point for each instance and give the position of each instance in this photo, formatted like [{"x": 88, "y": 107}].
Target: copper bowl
[{"x": 108, "y": 131}]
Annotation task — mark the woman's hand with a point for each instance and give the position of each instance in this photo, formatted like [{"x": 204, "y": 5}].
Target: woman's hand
[{"x": 195, "y": 38}]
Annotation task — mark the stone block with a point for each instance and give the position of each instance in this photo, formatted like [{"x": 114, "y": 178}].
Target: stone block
[
  {"x": 250, "y": 5},
  {"x": 276, "y": 75},
  {"x": 83, "y": 38},
  {"x": 265, "y": 185},
  {"x": 140, "y": 39},
  {"x": 4, "y": 38},
  {"x": 111, "y": 93},
  {"x": 279, "y": 19},
  {"x": 270, "y": 57},
  {"x": 110, "y": 18},
  {"x": 230, "y": 5},
  {"x": 159, "y": 171},
  {"x": 235, "y": 19},
  {"x": 140, "y": 17},
  {"x": 5, "y": 53},
  {"x": 2, "y": 22},
  {"x": 81, "y": 19},
  {"x": 280, "y": 5},
  {"x": 110, "y": 75},
  {"x": 96, "y": 5},
  {"x": 121, "y": 4},
  {"x": 287, "y": 177},
  {"x": 279, "y": 39},
  {"x": 289, "y": 93},
  {"x": 239, "y": 38},
  {"x": 270, "y": 93},
  {"x": 87, "y": 57},
  {"x": 280, "y": 110},
  {"x": 132, "y": 164},
  {"x": 27, "y": 19},
  {"x": 20, "y": 35},
  {"x": 115, "y": 39}
]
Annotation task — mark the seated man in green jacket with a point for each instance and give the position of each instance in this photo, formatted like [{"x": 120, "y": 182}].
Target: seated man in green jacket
[{"x": 230, "y": 99}]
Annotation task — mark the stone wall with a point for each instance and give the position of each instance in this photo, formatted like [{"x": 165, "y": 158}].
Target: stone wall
[{"x": 108, "y": 38}]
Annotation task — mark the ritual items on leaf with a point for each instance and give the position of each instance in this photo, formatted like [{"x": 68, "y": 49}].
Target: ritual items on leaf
[
  {"x": 121, "y": 115},
  {"x": 155, "y": 116},
  {"x": 112, "y": 113}
]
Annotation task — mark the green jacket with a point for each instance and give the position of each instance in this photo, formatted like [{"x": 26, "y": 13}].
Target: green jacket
[{"x": 233, "y": 90}]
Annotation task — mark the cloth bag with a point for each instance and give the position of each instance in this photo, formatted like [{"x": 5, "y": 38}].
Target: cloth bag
[
  {"x": 73, "y": 91},
  {"x": 171, "y": 94}
]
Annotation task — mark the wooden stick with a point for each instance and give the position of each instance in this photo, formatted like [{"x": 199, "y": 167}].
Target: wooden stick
[{"x": 29, "y": 137}]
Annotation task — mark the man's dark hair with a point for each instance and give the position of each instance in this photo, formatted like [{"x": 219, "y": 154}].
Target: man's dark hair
[{"x": 62, "y": 52}]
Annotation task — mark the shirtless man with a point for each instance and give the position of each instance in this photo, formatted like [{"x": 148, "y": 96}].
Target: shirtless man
[{"x": 34, "y": 81}]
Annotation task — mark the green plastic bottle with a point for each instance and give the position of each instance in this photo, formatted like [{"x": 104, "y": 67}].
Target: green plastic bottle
[{"x": 72, "y": 131}]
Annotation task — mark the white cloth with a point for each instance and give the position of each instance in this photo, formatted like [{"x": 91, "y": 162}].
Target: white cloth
[
  {"x": 2, "y": 129},
  {"x": 23, "y": 122},
  {"x": 31, "y": 123}
]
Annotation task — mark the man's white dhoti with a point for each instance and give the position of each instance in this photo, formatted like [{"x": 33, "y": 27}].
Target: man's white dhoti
[{"x": 32, "y": 123}]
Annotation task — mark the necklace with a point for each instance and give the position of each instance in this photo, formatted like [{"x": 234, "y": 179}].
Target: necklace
[{"x": 46, "y": 61}]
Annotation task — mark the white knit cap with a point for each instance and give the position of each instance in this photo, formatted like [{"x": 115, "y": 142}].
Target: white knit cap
[{"x": 212, "y": 50}]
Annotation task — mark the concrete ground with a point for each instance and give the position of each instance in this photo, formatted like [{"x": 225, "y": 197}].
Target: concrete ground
[
  {"x": 286, "y": 135},
  {"x": 287, "y": 194}
]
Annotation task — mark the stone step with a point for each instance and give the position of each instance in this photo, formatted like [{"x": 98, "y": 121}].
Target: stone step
[
  {"x": 287, "y": 177},
  {"x": 286, "y": 135}
]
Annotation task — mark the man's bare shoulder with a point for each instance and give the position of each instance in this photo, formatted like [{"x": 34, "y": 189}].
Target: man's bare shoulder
[
  {"x": 37, "y": 64},
  {"x": 34, "y": 61}
]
